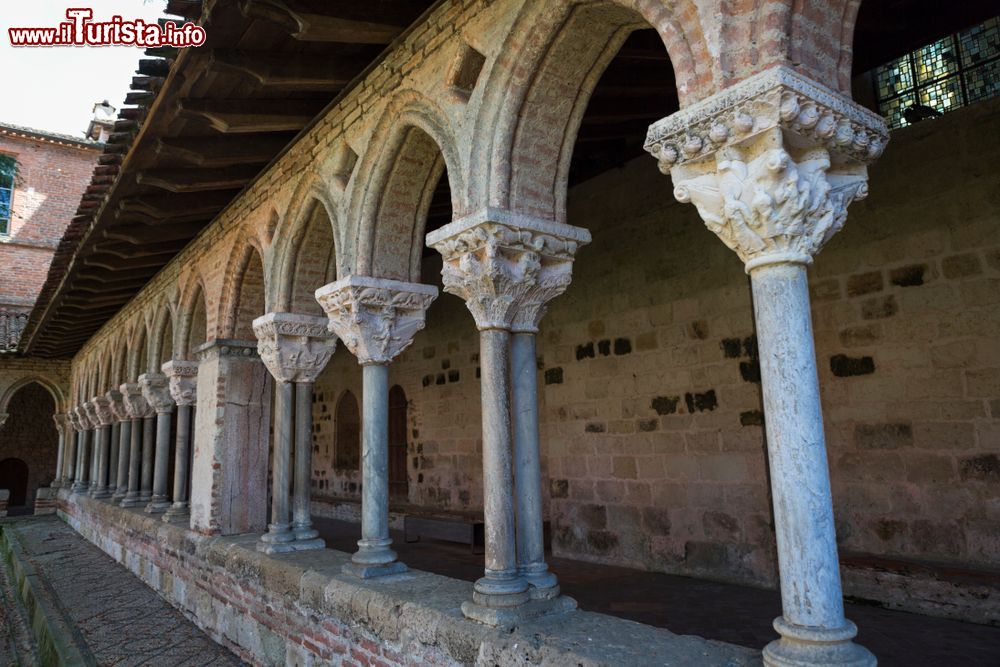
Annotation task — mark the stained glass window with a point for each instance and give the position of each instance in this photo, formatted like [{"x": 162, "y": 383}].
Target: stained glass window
[
  {"x": 953, "y": 71},
  {"x": 8, "y": 169}
]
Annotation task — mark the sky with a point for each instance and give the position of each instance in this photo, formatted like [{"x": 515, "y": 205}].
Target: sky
[{"x": 56, "y": 88}]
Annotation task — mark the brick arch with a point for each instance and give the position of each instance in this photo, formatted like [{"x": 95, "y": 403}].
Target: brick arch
[
  {"x": 162, "y": 342},
  {"x": 413, "y": 145},
  {"x": 138, "y": 342},
  {"x": 59, "y": 396},
  {"x": 192, "y": 318},
  {"x": 306, "y": 253},
  {"x": 534, "y": 101},
  {"x": 244, "y": 294}
]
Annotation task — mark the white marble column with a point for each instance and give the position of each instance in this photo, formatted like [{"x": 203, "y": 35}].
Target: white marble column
[
  {"x": 105, "y": 418},
  {"x": 140, "y": 413},
  {"x": 81, "y": 480},
  {"x": 506, "y": 267},
  {"x": 60, "y": 421},
  {"x": 156, "y": 391},
  {"x": 183, "y": 379},
  {"x": 376, "y": 319},
  {"x": 772, "y": 164},
  {"x": 72, "y": 438},
  {"x": 295, "y": 349}
]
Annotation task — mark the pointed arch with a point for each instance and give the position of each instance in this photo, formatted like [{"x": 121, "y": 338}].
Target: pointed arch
[
  {"x": 192, "y": 319},
  {"x": 59, "y": 397},
  {"x": 410, "y": 149},
  {"x": 244, "y": 292}
]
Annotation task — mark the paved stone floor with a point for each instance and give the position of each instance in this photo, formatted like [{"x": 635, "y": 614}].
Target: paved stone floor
[
  {"x": 735, "y": 614},
  {"x": 119, "y": 619}
]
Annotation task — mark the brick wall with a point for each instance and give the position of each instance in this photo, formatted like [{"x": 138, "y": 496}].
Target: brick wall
[
  {"x": 30, "y": 435},
  {"x": 51, "y": 179}
]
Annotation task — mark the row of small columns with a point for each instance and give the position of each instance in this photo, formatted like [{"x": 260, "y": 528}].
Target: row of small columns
[
  {"x": 771, "y": 164},
  {"x": 116, "y": 447}
]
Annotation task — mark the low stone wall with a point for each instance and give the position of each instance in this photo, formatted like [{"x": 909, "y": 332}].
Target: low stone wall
[
  {"x": 4, "y": 497},
  {"x": 45, "y": 501},
  {"x": 297, "y": 609}
]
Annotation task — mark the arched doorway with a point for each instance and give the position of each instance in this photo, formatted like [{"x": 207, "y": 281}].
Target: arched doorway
[
  {"x": 399, "y": 485},
  {"x": 14, "y": 478}
]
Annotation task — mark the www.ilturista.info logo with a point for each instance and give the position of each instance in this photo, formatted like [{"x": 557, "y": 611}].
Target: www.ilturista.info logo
[{"x": 80, "y": 30}]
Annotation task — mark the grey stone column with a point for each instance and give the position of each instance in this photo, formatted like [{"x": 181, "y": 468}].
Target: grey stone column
[
  {"x": 93, "y": 446},
  {"x": 148, "y": 448},
  {"x": 279, "y": 535},
  {"x": 82, "y": 479},
  {"x": 302, "y": 484},
  {"x": 376, "y": 319},
  {"x": 72, "y": 452},
  {"x": 60, "y": 421},
  {"x": 506, "y": 267},
  {"x": 138, "y": 410},
  {"x": 772, "y": 164},
  {"x": 294, "y": 349},
  {"x": 116, "y": 403},
  {"x": 124, "y": 458},
  {"x": 527, "y": 469},
  {"x": 105, "y": 417},
  {"x": 113, "y": 453},
  {"x": 183, "y": 378},
  {"x": 156, "y": 391}
]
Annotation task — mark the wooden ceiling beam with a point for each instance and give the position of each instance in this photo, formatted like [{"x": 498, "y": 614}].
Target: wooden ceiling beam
[
  {"x": 287, "y": 71},
  {"x": 223, "y": 151},
  {"x": 251, "y": 116},
  {"x": 150, "y": 234},
  {"x": 197, "y": 180},
  {"x": 308, "y": 26}
]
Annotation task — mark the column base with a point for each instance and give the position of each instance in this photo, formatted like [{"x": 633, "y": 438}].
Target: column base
[
  {"x": 801, "y": 646},
  {"x": 542, "y": 584},
  {"x": 177, "y": 513},
  {"x": 119, "y": 496},
  {"x": 508, "y": 616},
  {"x": 145, "y": 498},
  {"x": 305, "y": 532},
  {"x": 101, "y": 494},
  {"x": 368, "y": 571},
  {"x": 277, "y": 540},
  {"x": 78, "y": 487},
  {"x": 500, "y": 590},
  {"x": 132, "y": 501},
  {"x": 158, "y": 506}
]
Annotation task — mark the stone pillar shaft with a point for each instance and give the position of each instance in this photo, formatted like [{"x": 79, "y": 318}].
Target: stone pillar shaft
[
  {"x": 134, "y": 494},
  {"x": 181, "y": 458},
  {"x": 100, "y": 489},
  {"x": 57, "y": 479},
  {"x": 160, "y": 500},
  {"x": 279, "y": 529},
  {"x": 771, "y": 164},
  {"x": 69, "y": 458},
  {"x": 301, "y": 515},
  {"x": 148, "y": 443},
  {"x": 124, "y": 451},
  {"x": 527, "y": 468},
  {"x": 113, "y": 455}
]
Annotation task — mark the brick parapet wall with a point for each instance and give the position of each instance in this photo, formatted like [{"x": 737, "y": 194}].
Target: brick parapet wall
[{"x": 298, "y": 608}]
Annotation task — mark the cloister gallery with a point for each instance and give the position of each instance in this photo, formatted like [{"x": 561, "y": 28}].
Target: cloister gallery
[{"x": 383, "y": 261}]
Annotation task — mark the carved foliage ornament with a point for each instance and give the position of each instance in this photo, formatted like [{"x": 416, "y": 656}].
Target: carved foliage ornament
[
  {"x": 156, "y": 391},
  {"x": 136, "y": 406},
  {"x": 182, "y": 377},
  {"x": 117, "y": 404},
  {"x": 376, "y": 318},
  {"x": 506, "y": 273},
  {"x": 294, "y": 348},
  {"x": 90, "y": 414},
  {"x": 772, "y": 207}
]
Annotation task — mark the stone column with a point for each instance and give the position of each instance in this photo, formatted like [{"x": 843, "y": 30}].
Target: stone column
[
  {"x": 156, "y": 391},
  {"x": 69, "y": 458},
  {"x": 232, "y": 423},
  {"x": 772, "y": 164},
  {"x": 140, "y": 413},
  {"x": 376, "y": 319},
  {"x": 60, "y": 422},
  {"x": 506, "y": 267},
  {"x": 121, "y": 442},
  {"x": 295, "y": 349},
  {"x": 183, "y": 378},
  {"x": 81, "y": 481},
  {"x": 105, "y": 418},
  {"x": 93, "y": 449}
]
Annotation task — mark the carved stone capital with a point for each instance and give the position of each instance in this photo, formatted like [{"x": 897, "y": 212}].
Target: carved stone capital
[
  {"x": 182, "y": 376},
  {"x": 507, "y": 267},
  {"x": 771, "y": 163},
  {"x": 102, "y": 410},
  {"x": 376, "y": 318},
  {"x": 156, "y": 391},
  {"x": 136, "y": 406},
  {"x": 74, "y": 419},
  {"x": 63, "y": 423},
  {"x": 89, "y": 416},
  {"x": 117, "y": 404},
  {"x": 293, "y": 347}
]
